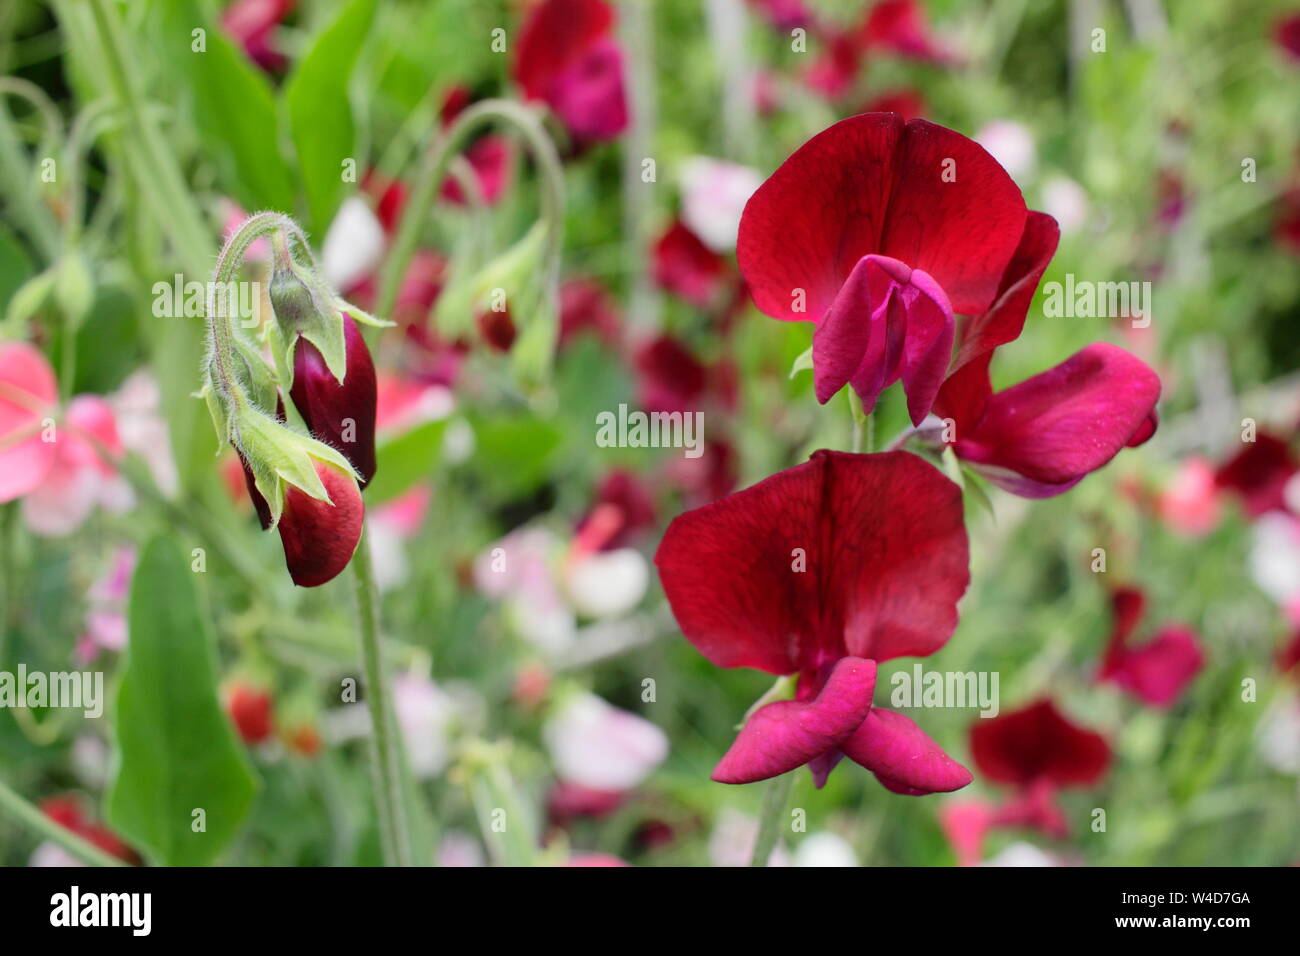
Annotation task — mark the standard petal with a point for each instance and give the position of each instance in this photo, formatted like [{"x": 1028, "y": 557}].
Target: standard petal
[
  {"x": 781, "y": 736},
  {"x": 1068, "y": 421},
  {"x": 1003, "y": 321},
  {"x": 903, "y": 756},
  {"x": 341, "y": 414},
  {"x": 847, "y": 554}
]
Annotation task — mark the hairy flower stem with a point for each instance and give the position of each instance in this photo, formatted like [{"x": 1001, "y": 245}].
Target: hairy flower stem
[
  {"x": 771, "y": 817},
  {"x": 385, "y": 751},
  {"x": 434, "y": 170},
  {"x": 28, "y": 815}
]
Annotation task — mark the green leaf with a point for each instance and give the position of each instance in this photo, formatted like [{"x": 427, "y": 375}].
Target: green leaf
[
  {"x": 233, "y": 109},
  {"x": 404, "y": 460},
  {"x": 320, "y": 113},
  {"x": 513, "y": 455},
  {"x": 177, "y": 752}
]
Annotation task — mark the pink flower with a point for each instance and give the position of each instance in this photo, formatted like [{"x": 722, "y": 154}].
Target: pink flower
[
  {"x": 58, "y": 468},
  {"x": 600, "y": 747},
  {"x": 1158, "y": 671},
  {"x": 820, "y": 572},
  {"x": 567, "y": 58},
  {"x": 899, "y": 26},
  {"x": 1190, "y": 502},
  {"x": 252, "y": 24}
]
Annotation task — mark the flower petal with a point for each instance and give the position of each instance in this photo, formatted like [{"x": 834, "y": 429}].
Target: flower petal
[
  {"x": 902, "y": 755},
  {"x": 846, "y": 554},
  {"x": 787, "y": 734},
  {"x": 28, "y": 393},
  {"x": 874, "y": 184},
  {"x": 1066, "y": 422},
  {"x": 320, "y": 536},
  {"x": 1038, "y": 744}
]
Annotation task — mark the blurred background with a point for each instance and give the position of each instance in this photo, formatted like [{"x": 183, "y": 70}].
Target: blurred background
[{"x": 1163, "y": 138}]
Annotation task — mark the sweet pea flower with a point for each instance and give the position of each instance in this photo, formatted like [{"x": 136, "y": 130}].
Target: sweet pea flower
[
  {"x": 1037, "y": 751},
  {"x": 1259, "y": 474},
  {"x": 686, "y": 267},
  {"x": 586, "y": 308},
  {"x": 252, "y": 24},
  {"x": 567, "y": 58},
  {"x": 899, "y": 26},
  {"x": 1189, "y": 503},
  {"x": 105, "y": 627},
  {"x": 68, "y": 811},
  {"x": 1274, "y": 559},
  {"x": 820, "y": 572},
  {"x": 1286, "y": 34},
  {"x": 1011, "y": 144},
  {"x": 600, "y": 747},
  {"x": 714, "y": 193},
  {"x": 354, "y": 244},
  {"x": 879, "y": 231},
  {"x": 250, "y": 711},
  {"x": 1158, "y": 671},
  {"x": 53, "y": 460}
]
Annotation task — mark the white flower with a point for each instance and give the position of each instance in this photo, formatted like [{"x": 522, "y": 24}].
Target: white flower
[
  {"x": 714, "y": 194},
  {"x": 1275, "y": 556},
  {"x": 354, "y": 244},
  {"x": 732, "y": 841},
  {"x": 1022, "y": 854},
  {"x": 1279, "y": 736},
  {"x": 824, "y": 849},
  {"x": 1011, "y": 144},
  {"x": 607, "y": 583},
  {"x": 596, "y": 745}
]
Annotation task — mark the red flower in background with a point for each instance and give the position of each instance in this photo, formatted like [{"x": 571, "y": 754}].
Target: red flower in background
[
  {"x": 879, "y": 230},
  {"x": 1037, "y": 751},
  {"x": 1286, "y": 33},
  {"x": 686, "y": 267},
  {"x": 899, "y": 26},
  {"x": 567, "y": 58},
  {"x": 68, "y": 812},
  {"x": 624, "y": 507},
  {"x": 1158, "y": 671},
  {"x": 1259, "y": 474},
  {"x": 671, "y": 378},
  {"x": 250, "y": 711},
  {"x": 587, "y": 308},
  {"x": 821, "y": 571}
]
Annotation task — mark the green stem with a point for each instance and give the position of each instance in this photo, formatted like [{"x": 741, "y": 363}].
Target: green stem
[
  {"x": 156, "y": 170},
  {"x": 771, "y": 818},
  {"x": 32, "y": 818},
  {"x": 385, "y": 750},
  {"x": 434, "y": 169}
]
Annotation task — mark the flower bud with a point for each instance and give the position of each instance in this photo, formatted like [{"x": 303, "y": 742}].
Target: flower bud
[{"x": 340, "y": 413}]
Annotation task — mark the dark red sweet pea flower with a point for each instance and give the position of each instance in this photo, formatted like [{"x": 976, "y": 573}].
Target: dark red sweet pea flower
[
  {"x": 836, "y": 68},
  {"x": 567, "y": 58},
  {"x": 1037, "y": 751},
  {"x": 671, "y": 378},
  {"x": 686, "y": 267},
  {"x": 250, "y": 712},
  {"x": 341, "y": 414},
  {"x": 586, "y": 308},
  {"x": 1259, "y": 474},
  {"x": 68, "y": 812},
  {"x": 899, "y": 26},
  {"x": 821, "y": 571},
  {"x": 783, "y": 15},
  {"x": 1158, "y": 671},
  {"x": 879, "y": 230},
  {"x": 624, "y": 507}
]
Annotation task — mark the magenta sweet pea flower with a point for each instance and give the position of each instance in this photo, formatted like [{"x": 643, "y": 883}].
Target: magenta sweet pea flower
[
  {"x": 879, "y": 231},
  {"x": 822, "y": 571},
  {"x": 567, "y": 58},
  {"x": 1037, "y": 751},
  {"x": 1259, "y": 474},
  {"x": 1157, "y": 671},
  {"x": 899, "y": 26}
]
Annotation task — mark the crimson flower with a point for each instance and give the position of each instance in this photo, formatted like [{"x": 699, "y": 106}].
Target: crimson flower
[
  {"x": 899, "y": 26},
  {"x": 341, "y": 414},
  {"x": 586, "y": 308},
  {"x": 567, "y": 58},
  {"x": 624, "y": 508},
  {"x": 1037, "y": 751},
  {"x": 671, "y": 378},
  {"x": 879, "y": 231},
  {"x": 1259, "y": 474},
  {"x": 252, "y": 24},
  {"x": 686, "y": 267},
  {"x": 822, "y": 571},
  {"x": 250, "y": 712},
  {"x": 1286, "y": 33},
  {"x": 1156, "y": 672},
  {"x": 68, "y": 812}
]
